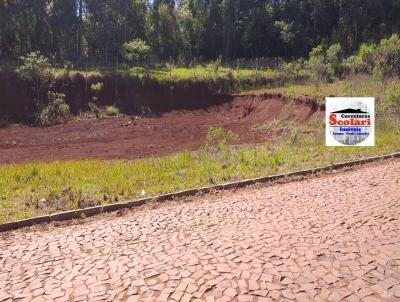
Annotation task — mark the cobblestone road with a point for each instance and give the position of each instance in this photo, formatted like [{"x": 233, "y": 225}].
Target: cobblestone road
[{"x": 331, "y": 238}]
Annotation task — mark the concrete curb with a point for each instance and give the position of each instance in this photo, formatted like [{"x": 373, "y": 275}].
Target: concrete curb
[{"x": 81, "y": 213}]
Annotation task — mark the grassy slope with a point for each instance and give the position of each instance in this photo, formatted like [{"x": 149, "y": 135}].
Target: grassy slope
[
  {"x": 87, "y": 183},
  {"x": 386, "y": 94}
]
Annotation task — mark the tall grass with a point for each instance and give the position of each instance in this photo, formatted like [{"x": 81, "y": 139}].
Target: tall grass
[
  {"x": 387, "y": 93},
  {"x": 199, "y": 72}
]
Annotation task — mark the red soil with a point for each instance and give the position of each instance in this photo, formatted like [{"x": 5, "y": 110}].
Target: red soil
[{"x": 132, "y": 138}]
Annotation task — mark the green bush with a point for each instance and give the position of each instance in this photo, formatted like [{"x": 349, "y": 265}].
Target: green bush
[
  {"x": 391, "y": 103},
  {"x": 354, "y": 65},
  {"x": 382, "y": 60},
  {"x": 316, "y": 65},
  {"x": 136, "y": 51},
  {"x": 96, "y": 89},
  {"x": 387, "y": 56},
  {"x": 294, "y": 69},
  {"x": 366, "y": 55},
  {"x": 56, "y": 111},
  {"x": 334, "y": 59},
  {"x": 37, "y": 69},
  {"x": 325, "y": 63},
  {"x": 111, "y": 111}
]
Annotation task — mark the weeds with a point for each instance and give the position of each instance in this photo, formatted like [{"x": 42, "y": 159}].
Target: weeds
[
  {"x": 111, "y": 111},
  {"x": 96, "y": 88}
]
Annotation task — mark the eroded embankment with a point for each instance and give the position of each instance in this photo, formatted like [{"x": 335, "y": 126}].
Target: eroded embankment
[
  {"x": 132, "y": 137},
  {"x": 132, "y": 95}
]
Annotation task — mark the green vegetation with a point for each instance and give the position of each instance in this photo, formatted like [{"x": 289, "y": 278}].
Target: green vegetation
[
  {"x": 164, "y": 42},
  {"x": 55, "y": 112},
  {"x": 190, "y": 30},
  {"x": 200, "y": 72},
  {"x": 96, "y": 88},
  {"x": 37, "y": 69},
  {"x": 136, "y": 51},
  {"x": 75, "y": 184},
  {"x": 111, "y": 111},
  {"x": 171, "y": 72},
  {"x": 387, "y": 95}
]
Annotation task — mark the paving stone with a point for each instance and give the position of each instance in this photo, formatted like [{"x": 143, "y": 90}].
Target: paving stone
[
  {"x": 287, "y": 293},
  {"x": 4, "y": 296},
  {"x": 230, "y": 292},
  {"x": 302, "y": 297},
  {"x": 253, "y": 284},
  {"x": 339, "y": 294}
]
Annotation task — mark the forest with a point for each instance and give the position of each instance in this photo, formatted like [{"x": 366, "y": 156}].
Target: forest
[{"x": 190, "y": 30}]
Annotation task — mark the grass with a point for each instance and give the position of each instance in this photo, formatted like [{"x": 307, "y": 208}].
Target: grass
[
  {"x": 199, "y": 72},
  {"x": 386, "y": 94},
  {"x": 111, "y": 111},
  {"x": 75, "y": 184}
]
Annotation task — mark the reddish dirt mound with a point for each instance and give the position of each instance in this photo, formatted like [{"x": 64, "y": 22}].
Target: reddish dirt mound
[{"x": 132, "y": 138}]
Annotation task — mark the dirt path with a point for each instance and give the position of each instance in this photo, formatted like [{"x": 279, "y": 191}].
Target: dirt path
[
  {"x": 129, "y": 138},
  {"x": 331, "y": 238}
]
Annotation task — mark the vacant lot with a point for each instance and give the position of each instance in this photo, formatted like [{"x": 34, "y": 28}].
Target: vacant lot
[
  {"x": 136, "y": 137},
  {"x": 88, "y": 162}
]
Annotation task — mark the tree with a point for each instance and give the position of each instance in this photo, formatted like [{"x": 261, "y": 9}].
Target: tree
[
  {"x": 166, "y": 38},
  {"x": 334, "y": 59},
  {"x": 64, "y": 24},
  {"x": 286, "y": 33},
  {"x": 192, "y": 29},
  {"x": 136, "y": 51},
  {"x": 37, "y": 69},
  {"x": 387, "y": 56}
]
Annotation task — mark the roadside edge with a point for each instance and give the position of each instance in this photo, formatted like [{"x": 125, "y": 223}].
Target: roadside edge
[{"x": 87, "y": 212}]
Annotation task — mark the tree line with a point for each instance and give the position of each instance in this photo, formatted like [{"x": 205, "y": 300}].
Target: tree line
[{"x": 186, "y": 30}]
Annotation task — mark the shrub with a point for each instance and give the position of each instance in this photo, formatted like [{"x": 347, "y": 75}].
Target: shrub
[
  {"x": 334, "y": 59},
  {"x": 218, "y": 138},
  {"x": 365, "y": 56},
  {"x": 387, "y": 56},
  {"x": 294, "y": 69},
  {"x": 57, "y": 111},
  {"x": 111, "y": 111},
  {"x": 354, "y": 65},
  {"x": 217, "y": 65},
  {"x": 136, "y": 51},
  {"x": 317, "y": 67},
  {"x": 324, "y": 63},
  {"x": 391, "y": 103},
  {"x": 68, "y": 67},
  {"x": 96, "y": 89},
  {"x": 37, "y": 69}
]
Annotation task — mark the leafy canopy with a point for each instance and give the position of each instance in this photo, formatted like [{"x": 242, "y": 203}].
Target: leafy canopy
[
  {"x": 135, "y": 50},
  {"x": 36, "y": 67}
]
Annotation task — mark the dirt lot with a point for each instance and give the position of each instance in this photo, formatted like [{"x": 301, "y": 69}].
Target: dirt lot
[{"x": 134, "y": 137}]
